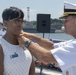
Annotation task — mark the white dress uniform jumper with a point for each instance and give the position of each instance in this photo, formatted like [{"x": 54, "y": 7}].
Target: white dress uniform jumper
[{"x": 16, "y": 60}]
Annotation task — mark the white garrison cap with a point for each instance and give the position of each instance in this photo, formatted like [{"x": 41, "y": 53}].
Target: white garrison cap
[{"x": 69, "y": 9}]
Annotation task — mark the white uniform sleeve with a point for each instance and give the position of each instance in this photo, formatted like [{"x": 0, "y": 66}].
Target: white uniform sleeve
[{"x": 65, "y": 54}]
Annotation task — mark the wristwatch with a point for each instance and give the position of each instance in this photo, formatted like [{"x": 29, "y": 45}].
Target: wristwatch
[{"x": 27, "y": 43}]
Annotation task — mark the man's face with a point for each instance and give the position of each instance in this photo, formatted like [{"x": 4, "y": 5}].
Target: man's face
[
  {"x": 70, "y": 25},
  {"x": 14, "y": 26}
]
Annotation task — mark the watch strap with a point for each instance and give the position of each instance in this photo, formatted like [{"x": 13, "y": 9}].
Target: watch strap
[{"x": 27, "y": 43}]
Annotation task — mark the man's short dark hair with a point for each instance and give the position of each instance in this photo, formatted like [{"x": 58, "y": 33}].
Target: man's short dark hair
[{"x": 11, "y": 13}]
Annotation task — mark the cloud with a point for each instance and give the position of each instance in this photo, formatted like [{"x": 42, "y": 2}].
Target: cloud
[
  {"x": 1, "y": 10},
  {"x": 60, "y": 13},
  {"x": 32, "y": 14}
]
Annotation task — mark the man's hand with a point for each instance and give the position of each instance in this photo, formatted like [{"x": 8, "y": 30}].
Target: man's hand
[{"x": 27, "y": 35}]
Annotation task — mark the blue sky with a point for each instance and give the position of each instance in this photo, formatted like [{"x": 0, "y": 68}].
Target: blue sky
[{"x": 53, "y": 7}]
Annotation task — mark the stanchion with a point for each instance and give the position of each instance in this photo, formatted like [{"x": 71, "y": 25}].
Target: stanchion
[{"x": 41, "y": 63}]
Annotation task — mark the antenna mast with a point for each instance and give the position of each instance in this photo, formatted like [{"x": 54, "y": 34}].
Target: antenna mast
[{"x": 28, "y": 9}]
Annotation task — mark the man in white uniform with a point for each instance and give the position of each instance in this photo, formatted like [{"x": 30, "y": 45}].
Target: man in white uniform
[
  {"x": 63, "y": 53},
  {"x": 2, "y": 31}
]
